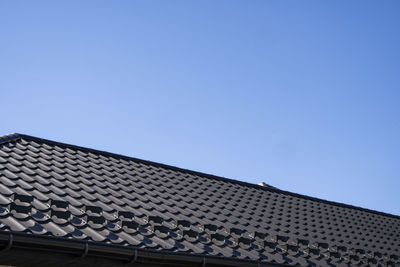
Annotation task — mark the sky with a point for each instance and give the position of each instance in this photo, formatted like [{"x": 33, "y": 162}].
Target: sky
[{"x": 301, "y": 95}]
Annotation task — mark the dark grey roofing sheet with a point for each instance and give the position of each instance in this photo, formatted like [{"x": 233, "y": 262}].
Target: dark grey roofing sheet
[{"x": 54, "y": 189}]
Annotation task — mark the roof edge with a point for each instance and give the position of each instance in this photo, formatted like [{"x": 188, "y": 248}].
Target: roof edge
[
  {"x": 10, "y": 138},
  {"x": 16, "y": 136},
  {"x": 127, "y": 254}
]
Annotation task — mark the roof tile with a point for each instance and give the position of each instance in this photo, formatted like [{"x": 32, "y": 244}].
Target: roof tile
[{"x": 49, "y": 188}]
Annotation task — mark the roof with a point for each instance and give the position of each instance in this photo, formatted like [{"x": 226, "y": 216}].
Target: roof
[{"x": 82, "y": 201}]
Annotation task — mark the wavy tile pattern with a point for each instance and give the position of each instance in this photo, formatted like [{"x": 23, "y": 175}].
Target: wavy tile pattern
[{"x": 54, "y": 189}]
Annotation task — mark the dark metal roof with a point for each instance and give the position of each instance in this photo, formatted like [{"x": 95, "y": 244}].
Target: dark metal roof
[{"x": 75, "y": 194}]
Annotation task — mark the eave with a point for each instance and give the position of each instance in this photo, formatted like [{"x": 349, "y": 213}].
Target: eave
[{"x": 80, "y": 253}]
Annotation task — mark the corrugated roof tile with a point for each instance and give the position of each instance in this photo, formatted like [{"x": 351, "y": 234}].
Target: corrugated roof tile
[{"x": 66, "y": 191}]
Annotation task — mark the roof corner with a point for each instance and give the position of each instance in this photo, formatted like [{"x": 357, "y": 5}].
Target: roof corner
[{"x": 9, "y": 138}]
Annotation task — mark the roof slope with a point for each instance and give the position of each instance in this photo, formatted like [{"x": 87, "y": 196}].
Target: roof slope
[{"x": 51, "y": 189}]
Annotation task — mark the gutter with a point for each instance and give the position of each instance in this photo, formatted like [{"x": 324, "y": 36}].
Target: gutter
[{"x": 125, "y": 254}]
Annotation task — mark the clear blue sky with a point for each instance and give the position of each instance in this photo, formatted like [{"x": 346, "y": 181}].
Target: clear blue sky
[{"x": 303, "y": 95}]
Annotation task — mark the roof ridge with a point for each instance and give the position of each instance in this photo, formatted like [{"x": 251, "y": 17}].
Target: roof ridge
[{"x": 16, "y": 136}]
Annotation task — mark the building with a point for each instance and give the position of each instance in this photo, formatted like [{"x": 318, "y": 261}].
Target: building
[{"x": 64, "y": 205}]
